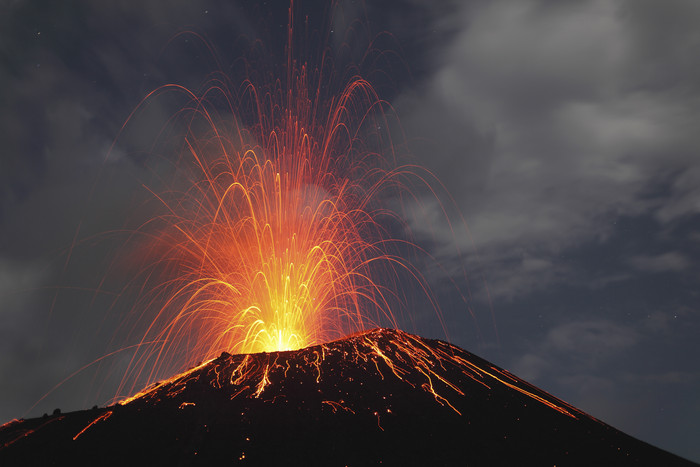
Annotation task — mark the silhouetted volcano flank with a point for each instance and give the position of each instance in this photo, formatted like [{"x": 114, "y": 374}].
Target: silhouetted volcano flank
[{"x": 380, "y": 396}]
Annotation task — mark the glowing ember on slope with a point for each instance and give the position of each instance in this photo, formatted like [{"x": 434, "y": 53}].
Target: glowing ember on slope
[
  {"x": 435, "y": 367},
  {"x": 375, "y": 397}
]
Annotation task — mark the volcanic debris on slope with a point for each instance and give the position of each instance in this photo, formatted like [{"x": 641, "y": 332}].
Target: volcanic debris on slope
[{"x": 383, "y": 396}]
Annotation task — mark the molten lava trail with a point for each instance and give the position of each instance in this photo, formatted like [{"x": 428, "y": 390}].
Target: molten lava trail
[{"x": 435, "y": 367}]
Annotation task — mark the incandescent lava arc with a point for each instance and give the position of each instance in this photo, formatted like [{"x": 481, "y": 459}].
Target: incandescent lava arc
[{"x": 278, "y": 229}]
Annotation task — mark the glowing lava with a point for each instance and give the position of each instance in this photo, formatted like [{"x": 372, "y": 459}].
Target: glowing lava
[
  {"x": 276, "y": 239},
  {"x": 377, "y": 397},
  {"x": 435, "y": 367}
]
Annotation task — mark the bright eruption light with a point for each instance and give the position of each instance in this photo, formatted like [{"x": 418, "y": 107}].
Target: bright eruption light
[
  {"x": 273, "y": 247},
  {"x": 277, "y": 239}
]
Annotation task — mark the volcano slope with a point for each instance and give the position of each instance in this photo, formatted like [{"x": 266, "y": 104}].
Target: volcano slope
[{"x": 382, "y": 396}]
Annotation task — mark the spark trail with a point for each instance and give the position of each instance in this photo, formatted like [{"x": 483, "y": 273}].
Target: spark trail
[{"x": 277, "y": 238}]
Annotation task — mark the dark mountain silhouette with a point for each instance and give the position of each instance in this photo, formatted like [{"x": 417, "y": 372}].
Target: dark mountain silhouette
[{"x": 380, "y": 397}]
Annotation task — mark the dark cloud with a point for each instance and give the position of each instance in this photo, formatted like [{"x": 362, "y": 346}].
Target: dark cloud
[
  {"x": 670, "y": 261},
  {"x": 566, "y": 133},
  {"x": 546, "y": 90}
]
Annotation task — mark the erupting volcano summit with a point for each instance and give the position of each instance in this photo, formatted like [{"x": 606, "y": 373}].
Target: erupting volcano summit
[{"x": 382, "y": 396}]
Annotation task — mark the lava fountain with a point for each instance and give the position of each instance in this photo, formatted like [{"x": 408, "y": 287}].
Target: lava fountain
[{"x": 278, "y": 239}]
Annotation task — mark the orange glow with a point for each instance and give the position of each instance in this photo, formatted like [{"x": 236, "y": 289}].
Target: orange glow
[
  {"x": 274, "y": 246},
  {"x": 275, "y": 229},
  {"x": 272, "y": 249}
]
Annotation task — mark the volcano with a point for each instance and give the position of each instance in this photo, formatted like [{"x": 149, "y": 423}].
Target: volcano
[{"x": 378, "y": 397}]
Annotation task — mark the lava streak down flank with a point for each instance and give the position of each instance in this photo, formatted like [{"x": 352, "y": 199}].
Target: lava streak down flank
[{"x": 382, "y": 396}]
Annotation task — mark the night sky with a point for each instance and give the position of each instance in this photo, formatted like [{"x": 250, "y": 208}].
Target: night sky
[{"x": 565, "y": 131}]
